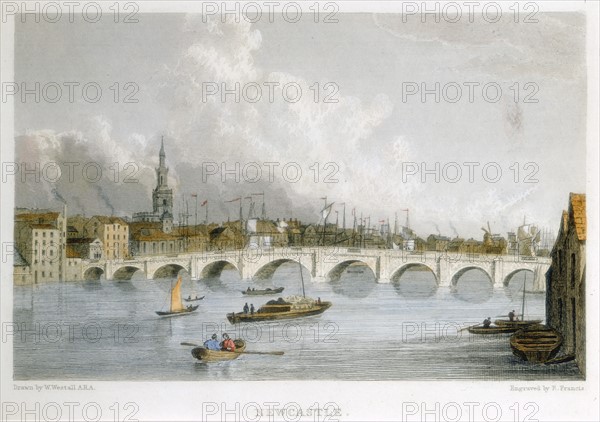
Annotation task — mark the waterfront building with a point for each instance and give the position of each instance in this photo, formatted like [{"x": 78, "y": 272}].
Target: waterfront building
[
  {"x": 565, "y": 280},
  {"x": 85, "y": 247},
  {"x": 113, "y": 232},
  {"x": 438, "y": 243},
  {"x": 40, "y": 239}
]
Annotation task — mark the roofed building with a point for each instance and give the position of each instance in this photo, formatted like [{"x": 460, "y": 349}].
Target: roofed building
[
  {"x": 565, "y": 280},
  {"x": 40, "y": 238},
  {"x": 113, "y": 232}
]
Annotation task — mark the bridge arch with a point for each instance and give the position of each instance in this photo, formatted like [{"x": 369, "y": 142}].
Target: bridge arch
[
  {"x": 125, "y": 273},
  {"x": 510, "y": 275},
  {"x": 459, "y": 273},
  {"x": 93, "y": 273},
  {"x": 336, "y": 272},
  {"x": 167, "y": 271},
  {"x": 266, "y": 271},
  {"x": 402, "y": 269},
  {"x": 215, "y": 268}
]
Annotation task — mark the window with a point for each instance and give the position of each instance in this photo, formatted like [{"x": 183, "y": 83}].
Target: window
[
  {"x": 560, "y": 262},
  {"x": 50, "y": 275},
  {"x": 51, "y": 235},
  {"x": 43, "y": 273},
  {"x": 36, "y": 233},
  {"x": 44, "y": 234},
  {"x": 51, "y": 252},
  {"x": 43, "y": 252},
  {"x": 573, "y": 270}
]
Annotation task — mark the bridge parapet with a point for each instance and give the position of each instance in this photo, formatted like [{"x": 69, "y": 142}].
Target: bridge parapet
[{"x": 327, "y": 263}]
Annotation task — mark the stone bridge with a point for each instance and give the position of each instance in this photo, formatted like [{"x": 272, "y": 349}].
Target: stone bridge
[{"x": 323, "y": 264}]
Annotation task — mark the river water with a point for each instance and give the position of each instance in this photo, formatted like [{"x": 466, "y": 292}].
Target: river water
[{"x": 108, "y": 330}]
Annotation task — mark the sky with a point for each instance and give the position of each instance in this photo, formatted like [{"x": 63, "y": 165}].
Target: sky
[{"x": 367, "y": 150}]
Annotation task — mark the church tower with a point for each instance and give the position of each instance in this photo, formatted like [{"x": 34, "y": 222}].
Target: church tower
[{"x": 162, "y": 196}]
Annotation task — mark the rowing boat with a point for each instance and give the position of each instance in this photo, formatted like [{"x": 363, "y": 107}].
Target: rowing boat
[
  {"x": 207, "y": 355},
  {"x": 478, "y": 329},
  {"x": 517, "y": 324},
  {"x": 262, "y": 292},
  {"x": 537, "y": 343},
  {"x": 194, "y": 299}
]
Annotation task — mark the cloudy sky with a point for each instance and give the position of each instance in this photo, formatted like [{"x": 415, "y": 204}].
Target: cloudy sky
[{"x": 372, "y": 134}]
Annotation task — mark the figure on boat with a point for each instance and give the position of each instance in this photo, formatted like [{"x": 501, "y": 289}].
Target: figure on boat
[
  {"x": 487, "y": 322},
  {"x": 213, "y": 343},
  {"x": 227, "y": 343}
]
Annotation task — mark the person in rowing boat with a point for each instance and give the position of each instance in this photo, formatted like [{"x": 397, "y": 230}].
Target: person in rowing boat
[
  {"x": 246, "y": 309},
  {"x": 248, "y": 289},
  {"x": 511, "y": 316},
  {"x": 487, "y": 322},
  {"x": 227, "y": 343},
  {"x": 212, "y": 344},
  {"x": 252, "y": 309}
]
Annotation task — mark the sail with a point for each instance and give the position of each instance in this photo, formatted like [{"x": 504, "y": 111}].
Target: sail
[
  {"x": 176, "y": 304},
  {"x": 251, "y": 225}
]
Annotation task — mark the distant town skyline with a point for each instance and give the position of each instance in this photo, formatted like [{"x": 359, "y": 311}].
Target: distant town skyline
[{"x": 380, "y": 140}]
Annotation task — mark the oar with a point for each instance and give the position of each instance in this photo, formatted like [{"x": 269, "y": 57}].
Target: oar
[
  {"x": 470, "y": 326},
  {"x": 235, "y": 351}
]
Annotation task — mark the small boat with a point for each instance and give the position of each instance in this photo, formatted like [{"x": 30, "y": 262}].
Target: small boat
[
  {"x": 291, "y": 307},
  {"x": 177, "y": 307},
  {"x": 281, "y": 309},
  {"x": 478, "y": 329},
  {"x": 263, "y": 292},
  {"x": 517, "y": 324},
  {"x": 536, "y": 344},
  {"x": 206, "y": 355},
  {"x": 355, "y": 271},
  {"x": 189, "y": 299}
]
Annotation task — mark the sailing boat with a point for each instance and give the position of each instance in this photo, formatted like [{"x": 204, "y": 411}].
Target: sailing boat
[
  {"x": 291, "y": 307},
  {"x": 515, "y": 323},
  {"x": 177, "y": 307}
]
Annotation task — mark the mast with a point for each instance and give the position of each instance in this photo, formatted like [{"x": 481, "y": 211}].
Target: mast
[
  {"x": 523, "y": 304},
  {"x": 325, "y": 220},
  {"x": 301, "y": 278}
]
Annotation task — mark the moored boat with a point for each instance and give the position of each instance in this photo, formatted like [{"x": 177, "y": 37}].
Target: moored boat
[
  {"x": 517, "y": 324},
  {"x": 291, "y": 307},
  {"x": 478, "y": 329},
  {"x": 263, "y": 292},
  {"x": 523, "y": 323},
  {"x": 207, "y": 355},
  {"x": 536, "y": 344}
]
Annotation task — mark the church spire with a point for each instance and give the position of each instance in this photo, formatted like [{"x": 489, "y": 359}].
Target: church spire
[{"x": 161, "y": 155}]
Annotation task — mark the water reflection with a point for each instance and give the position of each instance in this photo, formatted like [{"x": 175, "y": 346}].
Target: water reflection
[
  {"x": 416, "y": 283},
  {"x": 357, "y": 281},
  {"x": 473, "y": 286}
]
